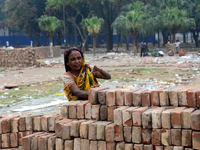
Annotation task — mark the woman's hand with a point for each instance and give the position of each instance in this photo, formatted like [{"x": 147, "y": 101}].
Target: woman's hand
[{"x": 100, "y": 73}]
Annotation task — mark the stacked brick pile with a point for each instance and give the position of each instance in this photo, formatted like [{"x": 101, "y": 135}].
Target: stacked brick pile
[
  {"x": 44, "y": 52},
  {"x": 112, "y": 119},
  {"x": 17, "y": 57}
]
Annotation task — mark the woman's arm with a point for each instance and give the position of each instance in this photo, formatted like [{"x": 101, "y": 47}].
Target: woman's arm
[
  {"x": 83, "y": 95},
  {"x": 100, "y": 73}
]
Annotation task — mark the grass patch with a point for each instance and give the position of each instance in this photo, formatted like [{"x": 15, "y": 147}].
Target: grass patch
[{"x": 31, "y": 92}]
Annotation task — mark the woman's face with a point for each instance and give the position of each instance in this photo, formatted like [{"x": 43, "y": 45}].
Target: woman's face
[{"x": 75, "y": 60}]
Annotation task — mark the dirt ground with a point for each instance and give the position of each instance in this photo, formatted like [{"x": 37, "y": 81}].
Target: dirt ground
[{"x": 186, "y": 71}]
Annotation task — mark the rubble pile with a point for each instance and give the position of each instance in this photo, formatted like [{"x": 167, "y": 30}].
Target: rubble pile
[
  {"x": 112, "y": 119},
  {"x": 44, "y": 52}
]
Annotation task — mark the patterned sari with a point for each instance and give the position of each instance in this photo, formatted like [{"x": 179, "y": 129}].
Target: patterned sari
[{"x": 84, "y": 81}]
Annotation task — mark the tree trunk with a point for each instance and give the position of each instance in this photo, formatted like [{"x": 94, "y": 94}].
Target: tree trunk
[
  {"x": 158, "y": 39},
  {"x": 134, "y": 44},
  {"x": 94, "y": 46},
  {"x": 117, "y": 40},
  {"x": 184, "y": 38},
  {"x": 137, "y": 43},
  {"x": 153, "y": 39},
  {"x": 195, "y": 36},
  {"x": 174, "y": 37},
  {"x": 13, "y": 36},
  {"x": 51, "y": 46},
  {"x": 127, "y": 42},
  {"x": 109, "y": 39}
]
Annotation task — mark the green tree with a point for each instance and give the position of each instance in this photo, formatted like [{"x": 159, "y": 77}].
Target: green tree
[
  {"x": 93, "y": 27},
  {"x": 49, "y": 24}
]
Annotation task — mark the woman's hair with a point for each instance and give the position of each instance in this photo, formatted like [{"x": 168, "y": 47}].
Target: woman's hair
[{"x": 66, "y": 56}]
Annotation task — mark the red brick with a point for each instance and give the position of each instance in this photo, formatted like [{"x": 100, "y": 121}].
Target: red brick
[
  {"x": 158, "y": 147},
  {"x": 128, "y": 146},
  {"x": 93, "y": 145},
  {"x": 137, "y": 135},
  {"x": 93, "y": 131},
  {"x": 102, "y": 97},
  {"x": 156, "y": 137},
  {"x": 155, "y": 100},
  {"x": 22, "y": 123},
  {"x": 5, "y": 123},
  {"x": 77, "y": 144},
  {"x": 14, "y": 139},
  {"x": 137, "y": 116},
  {"x": 176, "y": 137},
  {"x": 52, "y": 121},
  {"x": 35, "y": 141},
  {"x": 64, "y": 110},
  {"x": 119, "y": 136},
  {"x": 101, "y": 125},
  {"x": 164, "y": 98},
  {"x": 120, "y": 146},
  {"x": 37, "y": 126},
  {"x": 137, "y": 97},
  {"x": 147, "y": 118},
  {"x": 44, "y": 122},
  {"x": 196, "y": 140},
  {"x": 59, "y": 127},
  {"x": 110, "y": 132},
  {"x": 84, "y": 129},
  {"x": 138, "y": 146},
  {"x": 146, "y": 98},
  {"x": 111, "y": 113},
  {"x": 29, "y": 122},
  {"x": 43, "y": 141},
  {"x": 187, "y": 138},
  {"x": 120, "y": 96},
  {"x": 195, "y": 120},
  {"x": 14, "y": 125},
  {"x": 192, "y": 97},
  {"x": 51, "y": 143},
  {"x": 156, "y": 117},
  {"x": 182, "y": 97},
  {"x": 128, "y": 97},
  {"x": 118, "y": 115},
  {"x": 59, "y": 144},
  {"x": 127, "y": 116},
  {"x": 168, "y": 147},
  {"x": 20, "y": 135},
  {"x": 95, "y": 112},
  {"x": 173, "y": 96},
  {"x": 88, "y": 111},
  {"x": 148, "y": 147},
  {"x": 166, "y": 137},
  {"x": 101, "y": 145},
  {"x": 73, "y": 110},
  {"x": 185, "y": 118},
  {"x": 110, "y": 146},
  {"x": 110, "y": 98},
  {"x": 81, "y": 109},
  {"x": 66, "y": 131},
  {"x": 178, "y": 147},
  {"x": 198, "y": 98},
  {"x": 75, "y": 128},
  {"x": 166, "y": 118},
  {"x": 176, "y": 117},
  {"x": 103, "y": 113},
  {"x": 68, "y": 145},
  {"x": 146, "y": 136},
  {"x": 93, "y": 95},
  {"x": 127, "y": 134},
  {"x": 85, "y": 144},
  {"x": 5, "y": 140}
]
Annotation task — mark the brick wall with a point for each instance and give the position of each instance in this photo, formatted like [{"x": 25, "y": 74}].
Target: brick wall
[
  {"x": 112, "y": 119},
  {"x": 25, "y": 57}
]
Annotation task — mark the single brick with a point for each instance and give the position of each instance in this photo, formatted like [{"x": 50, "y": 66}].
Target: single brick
[
  {"x": 95, "y": 112},
  {"x": 35, "y": 141},
  {"x": 84, "y": 129},
  {"x": 29, "y": 123},
  {"x": 147, "y": 118},
  {"x": 43, "y": 141},
  {"x": 155, "y": 100},
  {"x": 148, "y": 147},
  {"x": 103, "y": 113},
  {"x": 146, "y": 136},
  {"x": 185, "y": 118},
  {"x": 101, "y": 125},
  {"x": 156, "y": 117},
  {"x": 101, "y": 145},
  {"x": 59, "y": 144},
  {"x": 166, "y": 118},
  {"x": 119, "y": 136},
  {"x": 176, "y": 117},
  {"x": 156, "y": 137},
  {"x": 166, "y": 137},
  {"x": 110, "y": 132},
  {"x": 187, "y": 138},
  {"x": 127, "y": 134},
  {"x": 13, "y": 140},
  {"x": 20, "y": 136},
  {"x": 176, "y": 137},
  {"x": 93, "y": 95},
  {"x": 120, "y": 96},
  {"x": 77, "y": 144},
  {"x": 110, "y": 98},
  {"x": 37, "y": 126},
  {"x": 182, "y": 97},
  {"x": 138, "y": 146},
  {"x": 94, "y": 144},
  {"x": 110, "y": 146},
  {"x": 158, "y": 147},
  {"x": 195, "y": 120},
  {"x": 14, "y": 125},
  {"x": 64, "y": 109},
  {"x": 22, "y": 123},
  {"x": 88, "y": 111},
  {"x": 196, "y": 140},
  {"x": 137, "y": 116},
  {"x": 111, "y": 113},
  {"x": 168, "y": 147},
  {"x": 146, "y": 98},
  {"x": 5, "y": 140},
  {"x": 75, "y": 128},
  {"x": 51, "y": 143},
  {"x": 5, "y": 124},
  {"x": 137, "y": 97},
  {"x": 85, "y": 144},
  {"x": 59, "y": 127},
  {"x": 120, "y": 146},
  {"x": 164, "y": 97},
  {"x": 102, "y": 97},
  {"x": 52, "y": 122},
  {"x": 93, "y": 131},
  {"x": 73, "y": 109},
  {"x": 173, "y": 96},
  {"x": 44, "y": 122},
  {"x": 128, "y": 147},
  {"x": 192, "y": 97},
  {"x": 69, "y": 145},
  {"x": 178, "y": 147},
  {"x": 81, "y": 109},
  {"x": 127, "y": 116},
  {"x": 118, "y": 116},
  {"x": 66, "y": 131},
  {"x": 136, "y": 135}
]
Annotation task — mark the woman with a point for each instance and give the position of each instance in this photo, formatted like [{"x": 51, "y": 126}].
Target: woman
[{"x": 79, "y": 77}]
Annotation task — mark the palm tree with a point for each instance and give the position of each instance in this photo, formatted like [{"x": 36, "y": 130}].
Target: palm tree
[
  {"x": 49, "y": 24},
  {"x": 93, "y": 26}
]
